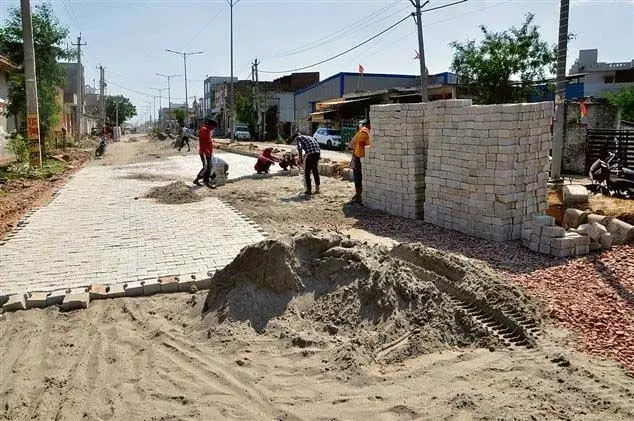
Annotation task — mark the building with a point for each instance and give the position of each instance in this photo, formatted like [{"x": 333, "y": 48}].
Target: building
[
  {"x": 165, "y": 117},
  {"x": 6, "y": 124},
  {"x": 75, "y": 81},
  {"x": 209, "y": 96},
  {"x": 599, "y": 78}
]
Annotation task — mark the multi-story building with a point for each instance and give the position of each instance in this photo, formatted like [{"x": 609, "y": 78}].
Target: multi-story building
[
  {"x": 210, "y": 91},
  {"x": 599, "y": 78}
]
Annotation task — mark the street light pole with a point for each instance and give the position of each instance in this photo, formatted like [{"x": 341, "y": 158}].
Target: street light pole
[
  {"x": 421, "y": 49},
  {"x": 185, "y": 54},
  {"x": 560, "y": 94},
  {"x": 232, "y": 95},
  {"x": 169, "y": 92},
  {"x": 160, "y": 97},
  {"x": 32, "y": 116}
]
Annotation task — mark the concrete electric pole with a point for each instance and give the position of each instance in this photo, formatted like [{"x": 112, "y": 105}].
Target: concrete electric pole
[
  {"x": 160, "y": 97},
  {"x": 232, "y": 94},
  {"x": 169, "y": 92},
  {"x": 560, "y": 94},
  {"x": 257, "y": 100},
  {"x": 32, "y": 112},
  {"x": 185, "y": 55},
  {"x": 421, "y": 49},
  {"x": 80, "y": 90},
  {"x": 102, "y": 95}
]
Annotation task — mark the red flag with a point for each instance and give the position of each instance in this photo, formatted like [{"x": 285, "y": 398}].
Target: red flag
[
  {"x": 583, "y": 108},
  {"x": 361, "y": 69},
  {"x": 417, "y": 55}
]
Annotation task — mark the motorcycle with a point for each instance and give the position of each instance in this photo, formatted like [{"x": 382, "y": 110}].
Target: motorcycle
[
  {"x": 603, "y": 181},
  {"x": 101, "y": 149}
]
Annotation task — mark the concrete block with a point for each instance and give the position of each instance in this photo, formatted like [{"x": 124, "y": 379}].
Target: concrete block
[
  {"x": 582, "y": 250},
  {"x": 151, "y": 286},
  {"x": 553, "y": 232},
  {"x": 606, "y": 240},
  {"x": 36, "y": 299},
  {"x": 133, "y": 289},
  {"x": 587, "y": 229},
  {"x": 567, "y": 242},
  {"x": 98, "y": 291},
  {"x": 202, "y": 281},
  {"x": 115, "y": 291},
  {"x": 15, "y": 302},
  {"x": 599, "y": 230},
  {"x": 526, "y": 234},
  {"x": 595, "y": 246},
  {"x": 169, "y": 283},
  {"x": 574, "y": 217},
  {"x": 76, "y": 301},
  {"x": 543, "y": 221},
  {"x": 562, "y": 252},
  {"x": 574, "y": 193},
  {"x": 582, "y": 240},
  {"x": 56, "y": 298},
  {"x": 187, "y": 284},
  {"x": 533, "y": 246},
  {"x": 544, "y": 249}
]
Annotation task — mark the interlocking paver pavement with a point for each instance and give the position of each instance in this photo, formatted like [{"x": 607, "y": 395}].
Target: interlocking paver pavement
[{"x": 97, "y": 231}]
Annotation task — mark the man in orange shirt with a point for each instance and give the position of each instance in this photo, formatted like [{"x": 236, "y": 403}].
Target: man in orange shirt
[
  {"x": 206, "y": 150},
  {"x": 358, "y": 143}
]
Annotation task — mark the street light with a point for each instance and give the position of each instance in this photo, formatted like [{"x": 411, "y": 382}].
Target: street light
[
  {"x": 160, "y": 96},
  {"x": 232, "y": 3},
  {"x": 185, "y": 54},
  {"x": 169, "y": 97}
]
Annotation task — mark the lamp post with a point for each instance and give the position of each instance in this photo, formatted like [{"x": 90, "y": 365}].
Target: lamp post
[
  {"x": 169, "y": 97},
  {"x": 185, "y": 55}
]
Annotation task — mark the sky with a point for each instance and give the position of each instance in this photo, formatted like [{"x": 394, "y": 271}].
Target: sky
[{"x": 129, "y": 37}]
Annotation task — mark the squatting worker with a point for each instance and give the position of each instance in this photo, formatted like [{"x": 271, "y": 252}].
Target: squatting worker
[
  {"x": 206, "y": 151},
  {"x": 265, "y": 160},
  {"x": 309, "y": 145},
  {"x": 358, "y": 143}
]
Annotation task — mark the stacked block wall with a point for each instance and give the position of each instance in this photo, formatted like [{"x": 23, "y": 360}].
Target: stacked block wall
[{"x": 483, "y": 168}]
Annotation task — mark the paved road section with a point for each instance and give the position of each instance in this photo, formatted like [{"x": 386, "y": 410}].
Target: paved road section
[{"x": 99, "y": 229}]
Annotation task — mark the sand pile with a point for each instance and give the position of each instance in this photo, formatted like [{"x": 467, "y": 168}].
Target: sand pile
[
  {"x": 173, "y": 193},
  {"x": 364, "y": 304}
]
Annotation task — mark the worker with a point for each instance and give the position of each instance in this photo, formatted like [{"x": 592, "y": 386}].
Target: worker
[
  {"x": 358, "y": 144},
  {"x": 206, "y": 150},
  {"x": 265, "y": 160},
  {"x": 310, "y": 146}
]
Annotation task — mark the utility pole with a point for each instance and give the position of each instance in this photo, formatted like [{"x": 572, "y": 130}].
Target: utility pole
[
  {"x": 421, "y": 48},
  {"x": 32, "y": 112},
  {"x": 232, "y": 95},
  {"x": 116, "y": 124},
  {"x": 160, "y": 97},
  {"x": 169, "y": 92},
  {"x": 102, "y": 95},
  {"x": 80, "y": 90},
  {"x": 185, "y": 55},
  {"x": 560, "y": 93}
]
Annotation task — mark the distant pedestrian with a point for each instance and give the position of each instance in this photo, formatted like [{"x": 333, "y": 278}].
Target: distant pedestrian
[
  {"x": 186, "y": 133},
  {"x": 265, "y": 160},
  {"x": 206, "y": 150},
  {"x": 309, "y": 145},
  {"x": 358, "y": 143}
]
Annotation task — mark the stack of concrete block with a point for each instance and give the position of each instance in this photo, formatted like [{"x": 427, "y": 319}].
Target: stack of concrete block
[
  {"x": 486, "y": 171},
  {"x": 394, "y": 166},
  {"x": 543, "y": 236}
]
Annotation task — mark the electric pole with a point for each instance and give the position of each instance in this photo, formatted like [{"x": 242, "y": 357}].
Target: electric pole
[
  {"x": 169, "y": 92},
  {"x": 421, "y": 48},
  {"x": 257, "y": 99},
  {"x": 160, "y": 97},
  {"x": 116, "y": 124},
  {"x": 80, "y": 91},
  {"x": 102, "y": 95},
  {"x": 185, "y": 55},
  {"x": 232, "y": 3},
  {"x": 560, "y": 93},
  {"x": 32, "y": 112}
]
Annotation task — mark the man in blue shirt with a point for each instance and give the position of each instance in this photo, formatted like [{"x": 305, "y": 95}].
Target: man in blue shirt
[{"x": 310, "y": 147}]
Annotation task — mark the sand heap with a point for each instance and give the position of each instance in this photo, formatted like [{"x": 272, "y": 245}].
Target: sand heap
[
  {"x": 173, "y": 193},
  {"x": 319, "y": 289}
]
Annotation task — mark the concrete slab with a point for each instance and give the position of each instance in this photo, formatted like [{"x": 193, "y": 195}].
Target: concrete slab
[
  {"x": 169, "y": 283},
  {"x": 151, "y": 286},
  {"x": 115, "y": 291},
  {"x": 36, "y": 299},
  {"x": 15, "y": 302},
  {"x": 574, "y": 193},
  {"x": 98, "y": 292},
  {"x": 76, "y": 301},
  {"x": 133, "y": 289},
  {"x": 56, "y": 298}
]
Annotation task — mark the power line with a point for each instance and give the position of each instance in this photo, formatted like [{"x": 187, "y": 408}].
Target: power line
[
  {"x": 134, "y": 90},
  {"x": 344, "y": 52},
  {"x": 204, "y": 27}
]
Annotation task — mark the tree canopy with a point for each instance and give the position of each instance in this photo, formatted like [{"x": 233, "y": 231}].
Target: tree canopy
[
  {"x": 624, "y": 99},
  {"x": 48, "y": 36},
  {"x": 503, "y": 67},
  {"x": 126, "y": 109}
]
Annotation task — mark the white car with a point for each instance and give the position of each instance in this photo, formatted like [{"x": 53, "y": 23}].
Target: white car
[
  {"x": 330, "y": 138},
  {"x": 242, "y": 133}
]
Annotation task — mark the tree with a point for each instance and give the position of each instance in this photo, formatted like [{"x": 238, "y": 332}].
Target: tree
[
  {"x": 180, "y": 116},
  {"x": 126, "y": 109},
  {"x": 48, "y": 36},
  {"x": 624, "y": 99},
  {"x": 504, "y": 66},
  {"x": 245, "y": 112}
]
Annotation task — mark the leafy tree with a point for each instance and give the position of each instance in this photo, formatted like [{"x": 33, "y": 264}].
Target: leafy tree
[
  {"x": 126, "y": 109},
  {"x": 180, "y": 115},
  {"x": 244, "y": 111},
  {"x": 489, "y": 68},
  {"x": 624, "y": 99},
  {"x": 48, "y": 36}
]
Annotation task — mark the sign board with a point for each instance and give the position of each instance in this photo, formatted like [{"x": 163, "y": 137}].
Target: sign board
[{"x": 33, "y": 135}]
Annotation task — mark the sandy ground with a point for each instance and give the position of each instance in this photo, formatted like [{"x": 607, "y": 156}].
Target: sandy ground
[{"x": 155, "y": 358}]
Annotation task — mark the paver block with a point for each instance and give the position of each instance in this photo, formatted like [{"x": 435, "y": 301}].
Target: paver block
[
  {"x": 115, "y": 291},
  {"x": 36, "y": 299},
  {"x": 133, "y": 289},
  {"x": 56, "y": 298},
  {"x": 151, "y": 286},
  {"x": 15, "y": 302},
  {"x": 567, "y": 242},
  {"x": 563, "y": 252},
  {"x": 544, "y": 221},
  {"x": 574, "y": 193},
  {"x": 544, "y": 249},
  {"x": 98, "y": 291},
  {"x": 582, "y": 250},
  {"x": 599, "y": 230},
  {"x": 606, "y": 240},
  {"x": 553, "y": 232},
  {"x": 76, "y": 301},
  {"x": 534, "y": 246},
  {"x": 583, "y": 240},
  {"x": 526, "y": 234},
  {"x": 187, "y": 283},
  {"x": 169, "y": 283}
]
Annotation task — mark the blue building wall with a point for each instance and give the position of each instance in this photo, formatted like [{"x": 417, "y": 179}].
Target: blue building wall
[{"x": 573, "y": 91}]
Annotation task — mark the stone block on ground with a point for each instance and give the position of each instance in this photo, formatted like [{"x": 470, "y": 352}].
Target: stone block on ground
[
  {"x": 582, "y": 250},
  {"x": 574, "y": 217},
  {"x": 151, "y": 286},
  {"x": 98, "y": 291},
  {"x": 574, "y": 193},
  {"x": 553, "y": 232},
  {"x": 567, "y": 242},
  {"x": 115, "y": 291},
  {"x": 586, "y": 229},
  {"x": 169, "y": 283},
  {"x": 76, "y": 301},
  {"x": 15, "y": 302},
  {"x": 622, "y": 232},
  {"x": 598, "y": 229},
  {"x": 543, "y": 221},
  {"x": 606, "y": 240},
  {"x": 600, "y": 219},
  {"x": 544, "y": 249},
  {"x": 133, "y": 289},
  {"x": 36, "y": 299},
  {"x": 56, "y": 298}
]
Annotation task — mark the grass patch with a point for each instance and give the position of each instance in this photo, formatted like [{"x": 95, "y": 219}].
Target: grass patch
[{"x": 22, "y": 171}]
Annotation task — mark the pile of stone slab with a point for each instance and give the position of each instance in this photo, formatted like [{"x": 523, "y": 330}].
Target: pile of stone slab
[{"x": 582, "y": 233}]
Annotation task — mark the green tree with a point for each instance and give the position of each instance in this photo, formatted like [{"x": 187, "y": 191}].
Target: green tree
[
  {"x": 244, "y": 111},
  {"x": 48, "y": 36},
  {"x": 180, "y": 115},
  {"x": 126, "y": 109},
  {"x": 503, "y": 67},
  {"x": 624, "y": 99}
]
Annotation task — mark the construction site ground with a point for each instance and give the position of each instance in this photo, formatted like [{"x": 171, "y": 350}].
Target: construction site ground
[{"x": 155, "y": 358}]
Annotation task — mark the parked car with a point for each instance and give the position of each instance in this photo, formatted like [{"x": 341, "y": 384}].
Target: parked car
[
  {"x": 328, "y": 137},
  {"x": 242, "y": 133}
]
